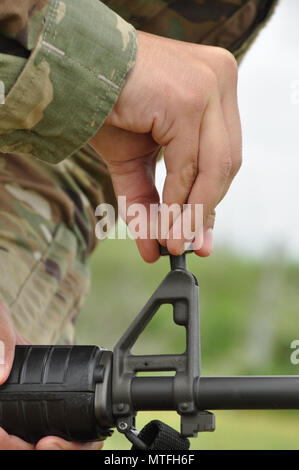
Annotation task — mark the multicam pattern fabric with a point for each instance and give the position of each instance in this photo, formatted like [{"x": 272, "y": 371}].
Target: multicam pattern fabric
[
  {"x": 72, "y": 79},
  {"x": 46, "y": 237},
  {"x": 63, "y": 64},
  {"x": 223, "y": 23},
  {"x": 75, "y": 47}
]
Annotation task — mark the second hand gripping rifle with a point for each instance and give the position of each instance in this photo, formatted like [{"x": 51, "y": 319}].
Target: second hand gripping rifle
[{"x": 81, "y": 393}]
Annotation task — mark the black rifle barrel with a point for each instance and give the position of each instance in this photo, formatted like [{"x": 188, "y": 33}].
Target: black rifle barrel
[
  {"x": 65, "y": 390},
  {"x": 221, "y": 393}
]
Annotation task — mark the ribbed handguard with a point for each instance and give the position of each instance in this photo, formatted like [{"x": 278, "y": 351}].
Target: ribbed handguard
[{"x": 51, "y": 391}]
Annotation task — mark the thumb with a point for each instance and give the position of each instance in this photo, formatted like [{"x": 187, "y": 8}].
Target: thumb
[
  {"x": 135, "y": 181},
  {"x": 131, "y": 160},
  {"x": 7, "y": 343}
]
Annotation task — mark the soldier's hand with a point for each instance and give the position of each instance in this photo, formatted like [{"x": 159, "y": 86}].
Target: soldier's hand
[
  {"x": 182, "y": 96},
  {"x": 9, "y": 338}
]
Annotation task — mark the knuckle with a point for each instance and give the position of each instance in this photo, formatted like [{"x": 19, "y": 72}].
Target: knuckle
[
  {"x": 189, "y": 173},
  {"x": 236, "y": 166},
  {"x": 201, "y": 85},
  {"x": 227, "y": 63},
  {"x": 210, "y": 221},
  {"x": 227, "y": 58},
  {"x": 195, "y": 97},
  {"x": 225, "y": 167}
]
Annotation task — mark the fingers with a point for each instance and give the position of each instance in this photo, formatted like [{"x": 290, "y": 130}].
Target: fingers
[
  {"x": 233, "y": 126},
  {"x": 189, "y": 105},
  {"x": 135, "y": 181},
  {"x": 214, "y": 170},
  {"x": 132, "y": 169},
  {"x": 228, "y": 77},
  {"x": 131, "y": 164},
  {"x": 8, "y": 442},
  {"x": 214, "y": 166},
  {"x": 8, "y": 339},
  {"x": 181, "y": 162},
  {"x": 56, "y": 443},
  {"x": 207, "y": 245},
  {"x": 7, "y": 343},
  {"x": 118, "y": 145},
  {"x": 226, "y": 69}
]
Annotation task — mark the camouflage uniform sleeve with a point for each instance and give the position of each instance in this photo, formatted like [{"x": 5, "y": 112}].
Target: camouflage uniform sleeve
[{"x": 65, "y": 68}]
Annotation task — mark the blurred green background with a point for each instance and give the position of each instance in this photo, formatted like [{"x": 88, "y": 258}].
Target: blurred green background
[{"x": 249, "y": 317}]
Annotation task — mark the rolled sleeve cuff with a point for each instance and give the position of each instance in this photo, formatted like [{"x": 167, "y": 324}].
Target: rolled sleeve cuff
[{"x": 71, "y": 81}]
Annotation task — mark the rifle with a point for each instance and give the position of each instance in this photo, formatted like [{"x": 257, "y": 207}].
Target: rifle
[{"x": 81, "y": 393}]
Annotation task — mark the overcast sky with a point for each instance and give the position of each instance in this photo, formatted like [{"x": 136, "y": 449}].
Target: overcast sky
[{"x": 262, "y": 208}]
